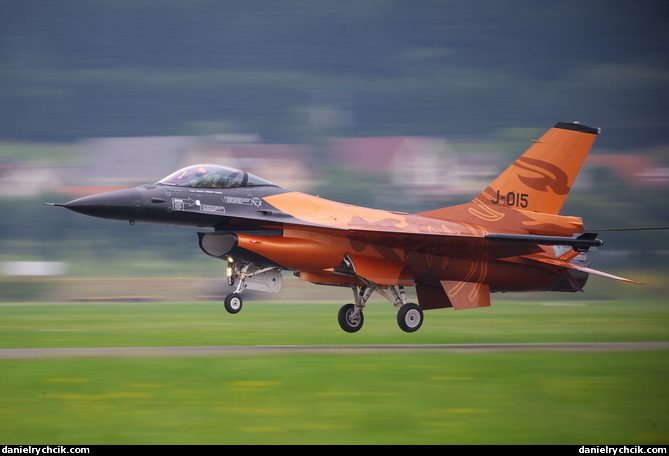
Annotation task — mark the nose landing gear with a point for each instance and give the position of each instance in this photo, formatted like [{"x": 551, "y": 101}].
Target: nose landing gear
[{"x": 252, "y": 276}]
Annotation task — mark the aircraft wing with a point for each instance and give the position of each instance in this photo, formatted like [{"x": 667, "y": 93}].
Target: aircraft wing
[
  {"x": 455, "y": 245},
  {"x": 498, "y": 246}
]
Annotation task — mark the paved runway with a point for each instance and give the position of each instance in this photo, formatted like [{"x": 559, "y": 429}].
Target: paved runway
[{"x": 152, "y": 352}]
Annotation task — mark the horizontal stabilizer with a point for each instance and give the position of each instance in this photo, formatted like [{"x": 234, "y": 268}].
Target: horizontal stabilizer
[{"x": 580, "y": 244}]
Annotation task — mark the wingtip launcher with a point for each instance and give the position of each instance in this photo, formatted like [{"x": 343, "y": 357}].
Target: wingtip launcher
[{"x": 581, "y": 243}]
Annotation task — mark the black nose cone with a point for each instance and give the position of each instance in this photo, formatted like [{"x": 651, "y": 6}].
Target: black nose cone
[{"x": 117, "y": 205}]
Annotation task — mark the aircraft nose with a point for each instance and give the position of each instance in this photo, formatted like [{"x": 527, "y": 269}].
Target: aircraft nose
[{"x": 117, "y": 205}]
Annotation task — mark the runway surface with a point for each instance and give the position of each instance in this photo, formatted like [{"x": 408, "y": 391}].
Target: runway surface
[{"x": 152, "y": 352}]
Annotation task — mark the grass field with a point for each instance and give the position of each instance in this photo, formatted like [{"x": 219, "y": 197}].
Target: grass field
[{"x": 418, "y": 397}]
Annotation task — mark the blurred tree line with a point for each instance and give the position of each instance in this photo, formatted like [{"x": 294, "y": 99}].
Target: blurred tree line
[
  {"x": 298, "y": 71},
  {"x": 79, "y": 68}
]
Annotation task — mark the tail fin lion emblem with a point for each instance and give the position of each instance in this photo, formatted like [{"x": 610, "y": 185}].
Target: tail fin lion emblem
[{"x": 551, "y": 176}]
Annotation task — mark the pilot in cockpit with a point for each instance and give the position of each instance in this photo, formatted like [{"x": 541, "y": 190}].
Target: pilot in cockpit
[{"x": 200, "y": 179}]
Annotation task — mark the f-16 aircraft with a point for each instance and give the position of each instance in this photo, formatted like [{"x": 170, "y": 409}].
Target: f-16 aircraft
[{"x": 510, "y": 238}]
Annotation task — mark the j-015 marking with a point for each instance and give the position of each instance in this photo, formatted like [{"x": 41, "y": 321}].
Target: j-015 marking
[{"x": 512, "y": 199}]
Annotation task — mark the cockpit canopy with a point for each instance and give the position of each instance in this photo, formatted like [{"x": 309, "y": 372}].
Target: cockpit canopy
[{"x": 213, "y": 176}]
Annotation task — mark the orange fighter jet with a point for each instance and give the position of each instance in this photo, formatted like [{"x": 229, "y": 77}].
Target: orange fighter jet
[{"x": 509, "y": 238}]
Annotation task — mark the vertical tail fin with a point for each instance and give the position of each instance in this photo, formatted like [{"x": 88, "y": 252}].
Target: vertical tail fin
[{"x": 541, "y": 178}]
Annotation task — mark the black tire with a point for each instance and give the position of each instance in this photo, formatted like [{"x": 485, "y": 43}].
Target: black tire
[
  {"x": 348, "y": 324},
  {"x": 233, "y": 303},
  {"x": 410, "y": 317}
]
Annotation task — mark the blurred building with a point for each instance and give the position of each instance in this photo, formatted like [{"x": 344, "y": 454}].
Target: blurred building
[
  {"x": 424, "y": 165},
  {"x": 419, "y": 169},
  {"x": 288, "y": 165},
  {"x": 27, "y": 180},
  {"x": 633, "y": 170}
]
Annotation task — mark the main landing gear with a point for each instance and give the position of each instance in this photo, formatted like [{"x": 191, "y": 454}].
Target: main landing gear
[
  {"x": 409, "y": 315},
  {"x": 350, "y": 316}
]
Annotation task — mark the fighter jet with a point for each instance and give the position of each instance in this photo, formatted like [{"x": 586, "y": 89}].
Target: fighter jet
[{"x": 509, "y": 238}]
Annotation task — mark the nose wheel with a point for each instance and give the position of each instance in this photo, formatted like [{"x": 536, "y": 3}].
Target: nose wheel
[{"x": 233, "y": 303}]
